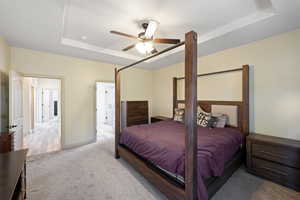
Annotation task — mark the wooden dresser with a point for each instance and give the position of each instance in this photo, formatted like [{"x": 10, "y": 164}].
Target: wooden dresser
[
  {"x": 13, "y": 175},
  {"x": 6, "y": 142},
  {"x": 134, "y": 113},
  {"x": 273, "y": 158}
]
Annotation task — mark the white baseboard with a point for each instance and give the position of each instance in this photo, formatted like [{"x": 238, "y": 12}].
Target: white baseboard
[{"x": 71, "y": 146}]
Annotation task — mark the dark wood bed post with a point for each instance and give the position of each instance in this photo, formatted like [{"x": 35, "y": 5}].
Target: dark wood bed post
[
  {"x": 174, "y": 94},
  {"x": 245, "y": 121},
  {"x": 191, "y": 115},
  {"x": 117, "y": 111}
]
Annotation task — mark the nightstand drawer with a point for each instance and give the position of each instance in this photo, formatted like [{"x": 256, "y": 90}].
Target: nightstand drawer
[
  {"x": 274, "y": 158},
  {"x": 275, "y": 153},
  {"x": 276, "y": 172}
]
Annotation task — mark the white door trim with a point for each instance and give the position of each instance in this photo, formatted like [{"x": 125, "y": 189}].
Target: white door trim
[
  {"x": 62, "y": 104},
  {"x": 95, "y": 104}
]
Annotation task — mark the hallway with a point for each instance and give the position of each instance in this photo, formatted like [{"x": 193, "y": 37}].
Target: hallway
[
  {"x": 42, "y": 114},
  {"x": 45, "y": 138},
  {"x": 105, "y": 132}
]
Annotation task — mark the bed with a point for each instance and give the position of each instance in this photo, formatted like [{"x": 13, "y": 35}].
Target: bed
[
  {"x": 167, "y": 153},
  {"x": 162, "y": 144}
]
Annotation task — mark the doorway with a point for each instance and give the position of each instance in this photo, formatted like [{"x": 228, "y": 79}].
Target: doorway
[
  {"x": 41, "y": 115},
  {"x": 105, "y": 110}
]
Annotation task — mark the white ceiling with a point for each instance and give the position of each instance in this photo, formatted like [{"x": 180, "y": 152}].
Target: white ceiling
[{"x": 58, "y": 26}]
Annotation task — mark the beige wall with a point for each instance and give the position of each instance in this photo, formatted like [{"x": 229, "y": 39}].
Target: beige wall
[
  {"x": 47, "y": 83},
  {"x": 4, "y": 55},
  {"x": 275, "y": 83},
  {"x": 79, "y": 78}
]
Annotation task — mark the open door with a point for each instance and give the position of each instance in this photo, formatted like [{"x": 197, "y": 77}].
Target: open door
[
  {"x": 16, "y": 108},
  {"x": 105, "y": 108}
]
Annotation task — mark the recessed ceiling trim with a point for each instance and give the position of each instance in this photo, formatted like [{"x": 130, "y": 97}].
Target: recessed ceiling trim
[
  {"x": 90, "y": 47},
  {"x": 233, "y": 26},
  {"x": 261, "y": 14}
]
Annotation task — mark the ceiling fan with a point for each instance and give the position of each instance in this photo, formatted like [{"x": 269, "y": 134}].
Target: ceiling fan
[{"x": 146, "y": 38}]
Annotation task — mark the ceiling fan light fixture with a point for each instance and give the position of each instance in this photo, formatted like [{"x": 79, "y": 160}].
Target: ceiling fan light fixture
[
  {"x": 144, "y": 47},
  {"x": 151, "y": 29}
]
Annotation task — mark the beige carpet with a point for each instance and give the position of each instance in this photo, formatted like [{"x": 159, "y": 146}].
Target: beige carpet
[{"x": 92, "y": 173}]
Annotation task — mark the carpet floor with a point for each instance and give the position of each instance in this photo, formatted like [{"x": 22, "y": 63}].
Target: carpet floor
[{"x": 91, "y": 173}]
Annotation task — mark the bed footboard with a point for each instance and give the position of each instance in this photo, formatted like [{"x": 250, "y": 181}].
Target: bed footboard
[{"x": 165, "y": 186}]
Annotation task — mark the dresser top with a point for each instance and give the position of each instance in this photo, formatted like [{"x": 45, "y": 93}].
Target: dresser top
[
  {"x": 11, "y": 166},
  {"x": 275, "y": 140}
]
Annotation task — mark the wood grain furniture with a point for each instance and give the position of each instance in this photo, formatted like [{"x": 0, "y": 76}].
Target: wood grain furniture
[
  {"x": 276, "y": 159},
  {"x": 159, "y": 118},
  {"x": 6, "y": 142},
  {"x": 165, "y": 184},
  {"x": 134, "y": 113},
  {"x": 13, "y": 175}
]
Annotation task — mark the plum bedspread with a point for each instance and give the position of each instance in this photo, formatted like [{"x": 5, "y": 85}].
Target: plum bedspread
[{"x": 163, "y": 144}]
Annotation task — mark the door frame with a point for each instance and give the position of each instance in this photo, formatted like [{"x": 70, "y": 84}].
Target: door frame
[
  {"x": 95, "y": 103},
  {"x": 62, "y": 103},
  {"x": 11, "y": 109}
]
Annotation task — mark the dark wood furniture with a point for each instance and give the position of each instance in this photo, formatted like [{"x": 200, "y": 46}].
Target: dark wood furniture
[
  {"x": 6, "y": 142},
  {"x": 164, "y": 183},
  {"x": 13, "y": 175},
  {"x": 276, "y": 159},
  {"x": 159, "y": 118},
  {"x": 206, "y": 105},
  {"x": 134, "y": 113}
]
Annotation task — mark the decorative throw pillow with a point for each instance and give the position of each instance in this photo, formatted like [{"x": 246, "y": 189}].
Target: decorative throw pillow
[
  {"x": 212, "y": 122},
  {"x": 179, "y": 114},
  {"x": 203, "y": 119},
  {"x": 222, "y": 120}
]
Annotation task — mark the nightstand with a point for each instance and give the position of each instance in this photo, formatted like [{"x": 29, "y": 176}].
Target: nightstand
[
  {"x": 159, "y": 118},
  {"x": 6, "y": 142},
  {"x": 276, "y": 159}
]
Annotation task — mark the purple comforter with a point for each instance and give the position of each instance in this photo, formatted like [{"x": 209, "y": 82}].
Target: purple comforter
[{"x": 163, "y": 143}]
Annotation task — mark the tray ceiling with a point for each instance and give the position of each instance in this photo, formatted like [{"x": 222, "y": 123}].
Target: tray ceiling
[{"x": 81, "y": 28}]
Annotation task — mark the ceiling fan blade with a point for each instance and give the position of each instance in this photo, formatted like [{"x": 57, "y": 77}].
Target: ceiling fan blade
[
  {"x": 151, "y": 29},
  {"x": 129, "y": 47},
  {"x": 166, "y": 41},
  {"x": 124, "y": 34}
]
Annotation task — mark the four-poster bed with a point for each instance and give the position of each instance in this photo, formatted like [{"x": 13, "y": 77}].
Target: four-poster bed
[{"x": 160, "y": 178}]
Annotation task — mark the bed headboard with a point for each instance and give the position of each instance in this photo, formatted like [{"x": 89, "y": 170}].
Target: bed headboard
[{"x": 241, "y": 107}]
